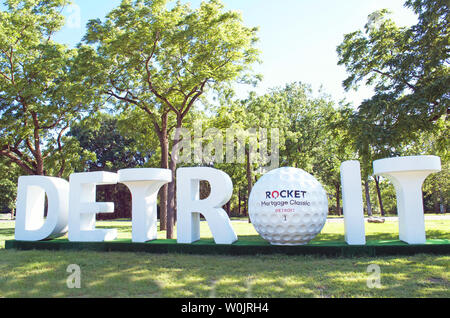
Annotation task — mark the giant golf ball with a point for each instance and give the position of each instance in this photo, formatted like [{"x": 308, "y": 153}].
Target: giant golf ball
[{"x": 288, "y": 206}]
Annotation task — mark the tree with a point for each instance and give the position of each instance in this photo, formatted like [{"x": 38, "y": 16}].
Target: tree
[
  {"x": 360, "y": 138},
  {"x": 162, "y": 60},
  {"x": 436, "y": 187},
  {"x": 309, "y": 134},
  {"x": 334, "y": 147},
  {"x": 370, "y": 145},
  {"x": 42, "y": 89},
  {"x": 409, "y": 68},
  {"x": 112, "y": 150},
  {"x": 315, "y": 135},
  {"x": 8, "y": 185},
  {"x": 259, "y": 115},
  {"x": 378, "y": 189},
  {"x": 230, "y": 116}
]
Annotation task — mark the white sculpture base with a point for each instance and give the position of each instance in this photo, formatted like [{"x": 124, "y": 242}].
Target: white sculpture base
[
  {"x": 407, "y": 174},
  {"x": 144, "y": 184}
]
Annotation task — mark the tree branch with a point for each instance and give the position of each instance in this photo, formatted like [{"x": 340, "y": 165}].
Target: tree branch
[
  {"x": 4, "y": 75},
  {"x": 393, "y": 78},
  {"x": 194, "y": 98},
  {"x": 20, "y": 155},
  {"x": 17, "y": 161},
  {"x": 55, "y": 123},
  {"x": 125, "y": 98},
  {"x": 149, "y": 77},
  {"x": 12, "y": 66},
  {"x": 30, "y": 146},
  {"x": 37, "y": 144},
  {"x": 141, "y": 105},
  {"x": 63, "y": 160}
]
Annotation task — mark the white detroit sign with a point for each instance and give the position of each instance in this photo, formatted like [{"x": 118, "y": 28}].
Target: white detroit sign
[{"x": 72, "y": 207}]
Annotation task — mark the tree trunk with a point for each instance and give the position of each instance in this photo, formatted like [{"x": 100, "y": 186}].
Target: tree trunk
[
  {"x": 239, "y": 202},
  {"x": 164, "y": 143},
  {"x": 171, "y": 208},
  {"x": 338, "y": 203},
  {"x": 163, "y": 208},
  {"x": 436, "y": 198},
  {"x": 249, "y": 179},
  {"x": 39, "y": 163},
  {"x": 443, "y": 204},
  {"x": 245, "y": 205},
  {"x": 380, "y": 201},
  {"x": 37, "y": 146},
  {"x": 366, "y": 190},
  {"x": 171, "y": 201}
]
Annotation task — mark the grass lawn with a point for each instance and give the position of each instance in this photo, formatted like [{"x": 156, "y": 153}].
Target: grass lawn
[{"x": 44, "y": 273}]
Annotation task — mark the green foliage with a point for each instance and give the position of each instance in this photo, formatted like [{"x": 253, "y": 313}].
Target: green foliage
[
  {"x": 132, "y": 124},
  {"x": 42, "y": 89},
  {"x": 8, "y": 185},
  {"x": 162, "y": 60},
  {"x": 436, "y": 189},
  {"x": 409, "y": 70},
  {"x": 112, "y": 150},
  {"x": 312, "y": 133},
  {"x": 388, "y": 196},
  {"x": 155, "y": 62}
]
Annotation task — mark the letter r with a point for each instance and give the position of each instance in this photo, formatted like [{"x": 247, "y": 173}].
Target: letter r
[{"x": 189, "y": 206}]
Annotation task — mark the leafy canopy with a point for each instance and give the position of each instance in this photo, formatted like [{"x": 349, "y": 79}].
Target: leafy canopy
[
  {"x": 408, "y": 67},
  {"x": 163, "y": 59},
  {"x": 42, "y": 88}
]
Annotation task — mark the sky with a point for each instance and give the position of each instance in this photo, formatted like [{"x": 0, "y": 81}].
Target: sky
[{"x": 298, "y": 38}]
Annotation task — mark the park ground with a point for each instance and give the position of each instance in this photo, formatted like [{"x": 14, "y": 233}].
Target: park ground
[{"x": 127, "y": 274}]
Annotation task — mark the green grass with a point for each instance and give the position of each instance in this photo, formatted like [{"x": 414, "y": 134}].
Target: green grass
[
  {"x": 332, "y": 231},
  {"x": 43, "y": 273}
]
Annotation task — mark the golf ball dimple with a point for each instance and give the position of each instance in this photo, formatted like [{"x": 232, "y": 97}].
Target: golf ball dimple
[{"x": 288, "y": 206}]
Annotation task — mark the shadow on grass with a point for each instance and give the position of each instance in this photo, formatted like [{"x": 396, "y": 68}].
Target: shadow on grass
[
  {"x": 380, "y": 236},
  {"x": 436, "y": 234},
  {"x": 44, "y": 274},
  {"x": 328, "y": 237},
  {"x": 7, "y": 233}
]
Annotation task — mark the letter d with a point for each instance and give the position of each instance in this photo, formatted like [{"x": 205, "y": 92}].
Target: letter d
[{"x": 30, "y": 222}]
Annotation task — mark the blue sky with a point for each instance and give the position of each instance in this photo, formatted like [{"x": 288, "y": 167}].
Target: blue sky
[{"x": 298, "y": 38}]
